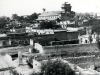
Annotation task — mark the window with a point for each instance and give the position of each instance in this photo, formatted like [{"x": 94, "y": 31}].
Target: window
[
  {"x": 85, "y": 41},
  {"x": 81, "y": 40}
]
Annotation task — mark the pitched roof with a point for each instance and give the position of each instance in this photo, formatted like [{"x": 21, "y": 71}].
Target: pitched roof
[{"x": 50, "y": 13}]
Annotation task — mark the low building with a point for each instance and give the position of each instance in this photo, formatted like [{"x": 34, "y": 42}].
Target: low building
[
  {"x": 20, "y": 30},
  {"x": 65, "y": 34},
  {"x": 4, "y": 40},
  {"x": 39, "y": 31},
  {"x": 86, "y": 39}
]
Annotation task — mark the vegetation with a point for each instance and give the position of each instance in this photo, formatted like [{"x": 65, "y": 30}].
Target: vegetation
[
  {"x": 28, "y": 18},
  {"x": 14, "y": 72},
  {"x": 3, "y": 21},
  {"x": 90, "y": 38},
  {"x": 17, "y": 21},
  {"x": 56, "y": 68},
  {"x": 80, "y": 19},
  {"x": 98, "y": 44},
  {"x": 49, "y": 25}
]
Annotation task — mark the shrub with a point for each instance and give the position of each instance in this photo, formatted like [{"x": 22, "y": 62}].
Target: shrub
[{"x": 56, "y": 68}]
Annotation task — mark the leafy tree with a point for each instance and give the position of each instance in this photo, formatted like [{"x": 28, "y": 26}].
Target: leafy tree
[
  {"x": 15, "y": 17},
  {"x": 3, "y": 21},
  {"x": 97, "y": 38},
  {"x": 90, "y": 38},
  {"x": 80, "y": 19},
  {"x": 33, "y": 17},
  {"x": 98, "y": 42},
  {"x": 21, "y": 19},
  {"x": 56, "y": 68},
  {"x": 48, "y": 25}
]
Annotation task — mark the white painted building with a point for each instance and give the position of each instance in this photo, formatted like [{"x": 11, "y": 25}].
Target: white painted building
[
  {"x": 84, "y": 39},
  {"x": 39, "y": 31},
  {"x": 50, "y": 15}
]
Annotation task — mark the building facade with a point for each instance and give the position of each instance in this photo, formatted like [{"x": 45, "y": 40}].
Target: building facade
[
  {"x": 87, "y": 39},
  {"x": 64, "y": 15},
  {"x": 49, "y": 15}
]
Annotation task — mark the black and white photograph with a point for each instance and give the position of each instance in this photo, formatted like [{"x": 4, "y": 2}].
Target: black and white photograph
[{"x": 49, "y": 37}]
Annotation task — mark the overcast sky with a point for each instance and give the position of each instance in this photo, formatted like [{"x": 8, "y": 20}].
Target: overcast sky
[{"x": 27, "y": 7}]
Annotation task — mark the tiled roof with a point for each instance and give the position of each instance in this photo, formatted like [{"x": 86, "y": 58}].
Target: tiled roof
[{"x": 50, "y": 13}]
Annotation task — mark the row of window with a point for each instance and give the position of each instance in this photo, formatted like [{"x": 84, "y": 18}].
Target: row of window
[{"x": 45, "y": 17}]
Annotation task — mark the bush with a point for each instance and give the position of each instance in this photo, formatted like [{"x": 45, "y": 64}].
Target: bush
[{"x": 56, "y": 68}]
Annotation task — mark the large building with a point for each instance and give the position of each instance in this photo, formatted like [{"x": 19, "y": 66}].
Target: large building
[
  {"x": 64, "y": 14},
  {"x": 49, "y": 15}
]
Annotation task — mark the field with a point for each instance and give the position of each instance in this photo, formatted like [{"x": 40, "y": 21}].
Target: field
[{"x": 72, "y": 48}]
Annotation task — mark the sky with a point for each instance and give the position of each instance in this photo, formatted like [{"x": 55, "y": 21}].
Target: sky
[{"x": 27, "y": 7}]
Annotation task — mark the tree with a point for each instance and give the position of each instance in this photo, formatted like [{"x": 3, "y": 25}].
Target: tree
[
  {"x": 56, "y": 68},
  {"x": 90, "y": 38},
  {"x": 33, "y": 17},
  {"x": 98, "y": 42},
  {"x": 3, "y": 21},
  {"x": 49, "y": 25},
  {"x": 15, "y": 17},
  {"x": 97, "y": 38},
  {"x": 46, "y": 25}
]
